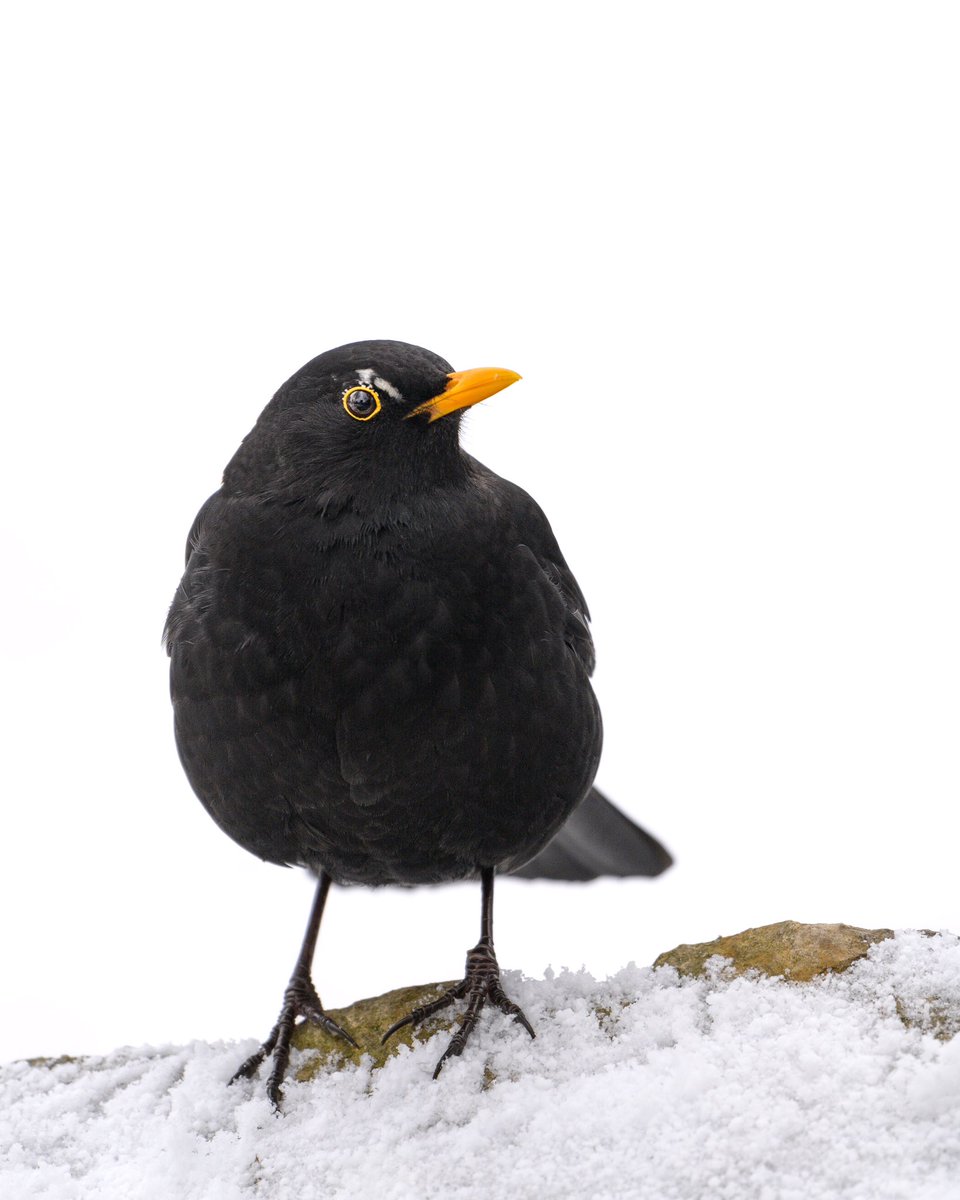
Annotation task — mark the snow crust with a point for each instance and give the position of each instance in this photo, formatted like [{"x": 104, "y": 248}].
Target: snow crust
[{"x": 645, "y": 1085}]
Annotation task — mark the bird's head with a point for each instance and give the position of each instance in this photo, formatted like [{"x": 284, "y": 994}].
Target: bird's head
[{"x": 375, "y": 417}]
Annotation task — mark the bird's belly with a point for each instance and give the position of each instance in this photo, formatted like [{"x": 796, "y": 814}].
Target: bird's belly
[
  {"x": 386, "y": 724},
  {"x": 480, "y": 772},
  {"x": 414, "y": 765}
]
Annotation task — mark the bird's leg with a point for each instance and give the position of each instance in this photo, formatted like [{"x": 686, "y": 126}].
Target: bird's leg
[
  {"x": 299, "y": 1000},
  {"x": 480, "y": 985}
]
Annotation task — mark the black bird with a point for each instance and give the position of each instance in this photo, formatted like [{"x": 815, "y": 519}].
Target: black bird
[{"x": 380, "y": 662}]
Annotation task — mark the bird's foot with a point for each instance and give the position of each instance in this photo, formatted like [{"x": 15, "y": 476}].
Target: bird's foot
[
  {"x": 480, "y": 985},
  {"x": 299, "y": 1000}
]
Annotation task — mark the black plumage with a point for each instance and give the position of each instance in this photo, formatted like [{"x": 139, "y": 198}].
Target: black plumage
[{"x": 380, "y": 660}]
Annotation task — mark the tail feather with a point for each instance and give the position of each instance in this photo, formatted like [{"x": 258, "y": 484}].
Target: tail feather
[{"x": 597, "y": 839}]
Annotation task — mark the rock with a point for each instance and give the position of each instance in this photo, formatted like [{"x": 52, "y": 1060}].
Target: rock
[
  {"x": 367, "y": 1021},
  {"x": 788, "y": 948}
]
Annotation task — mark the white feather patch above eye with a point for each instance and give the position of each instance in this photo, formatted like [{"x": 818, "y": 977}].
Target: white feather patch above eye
[
  {"x": 385, "y": 386},
  {"x": 369, "y": 378}
]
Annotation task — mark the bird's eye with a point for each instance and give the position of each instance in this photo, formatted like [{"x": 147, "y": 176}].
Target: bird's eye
[{"x": 361, "y": 403}]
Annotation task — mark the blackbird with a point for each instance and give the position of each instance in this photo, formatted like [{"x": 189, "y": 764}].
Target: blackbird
[{"x": 380, "y": 663}]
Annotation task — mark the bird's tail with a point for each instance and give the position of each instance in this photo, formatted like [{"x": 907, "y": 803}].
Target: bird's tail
[{"x": 597, "y": 839}]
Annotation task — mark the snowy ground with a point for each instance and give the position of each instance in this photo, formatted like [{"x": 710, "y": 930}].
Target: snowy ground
[{"x": 645, "y": 1085}]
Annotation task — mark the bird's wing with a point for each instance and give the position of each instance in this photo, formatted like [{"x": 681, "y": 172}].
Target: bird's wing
[
  {"x": 597, "y": 839},
  {"x": 179, "y": 614},
  {"x": 209, "y": 511},
  {"x": 531, "y": 529}
]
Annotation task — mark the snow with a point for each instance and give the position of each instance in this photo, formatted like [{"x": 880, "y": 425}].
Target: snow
[{"x": 645, "y": 1085}]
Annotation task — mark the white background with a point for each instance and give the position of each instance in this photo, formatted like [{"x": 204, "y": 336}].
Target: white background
[{"x": 719, "y": 241}]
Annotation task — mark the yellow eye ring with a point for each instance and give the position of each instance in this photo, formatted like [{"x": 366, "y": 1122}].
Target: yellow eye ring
[{"x": 359, "y": 408}]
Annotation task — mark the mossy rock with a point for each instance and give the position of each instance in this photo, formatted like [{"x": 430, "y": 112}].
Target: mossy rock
[
  {"x": 788, "y": 948},
  {"x": 367, "y": 1021}
]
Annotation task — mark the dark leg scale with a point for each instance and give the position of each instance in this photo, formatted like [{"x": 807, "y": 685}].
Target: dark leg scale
[
  {"x": 299, "y": 1000},
  {"x": 480, "y": 985}
]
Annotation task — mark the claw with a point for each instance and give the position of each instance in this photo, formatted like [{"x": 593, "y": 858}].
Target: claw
[
  {"x": 249, "y": 1066},
  {"x": 316, "y": 1016},
  {"x": 299, "y": 1000},
  {"x": 426, "y": 1010},
  {"x": 480, "y": 985}
]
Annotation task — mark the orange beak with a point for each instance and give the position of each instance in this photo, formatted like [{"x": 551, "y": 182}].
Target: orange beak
[{"x": 465, "y": 388}]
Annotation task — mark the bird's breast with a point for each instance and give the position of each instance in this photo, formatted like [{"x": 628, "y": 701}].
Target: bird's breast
[{"x": 383, "y": 696}]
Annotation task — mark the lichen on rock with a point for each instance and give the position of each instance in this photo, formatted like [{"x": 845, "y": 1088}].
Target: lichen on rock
[
  {"x": 787, "y": 948},
  {"x": 367, "y": 1021}
]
